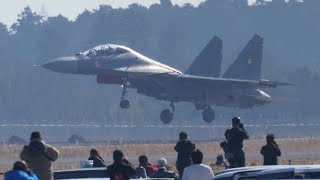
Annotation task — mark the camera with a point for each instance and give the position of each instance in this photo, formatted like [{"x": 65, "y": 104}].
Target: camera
[{"x": 241, "y": 125}]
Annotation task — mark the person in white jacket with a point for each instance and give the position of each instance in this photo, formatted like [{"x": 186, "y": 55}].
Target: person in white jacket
[{"x": 197, "y": 170}]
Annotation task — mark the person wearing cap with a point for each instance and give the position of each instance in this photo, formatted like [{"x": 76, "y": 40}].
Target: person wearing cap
[
  {"x": 162, "y": 171},
  {"x": 121, "y": 169},
  {"x": 20, "y": 171},
  {"x": 96, "y": 158},
  {"x": 184, "y": 147},
  {"x": 235, "y": 137},
  {"x": 144, "y": 162},
  {"x": 39, "y": 156},
  {"x": 197, "y": 170},
  {"x": 270, "y": 151}
]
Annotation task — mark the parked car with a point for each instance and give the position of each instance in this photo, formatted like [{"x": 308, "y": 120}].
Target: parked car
[{"x": 271, "y": 172}]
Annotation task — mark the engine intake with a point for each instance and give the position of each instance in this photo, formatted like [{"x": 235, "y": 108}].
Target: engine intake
[{"x": 105, "y": 79}]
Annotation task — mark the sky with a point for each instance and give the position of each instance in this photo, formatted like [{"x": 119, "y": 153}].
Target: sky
[{"x": 9, "y": 9}]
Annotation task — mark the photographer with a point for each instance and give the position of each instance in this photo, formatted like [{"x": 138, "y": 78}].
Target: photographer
[
  {"x": 184, "y": 147},
  {"x": 271, "y": 151},
  {"x": 235, "y": 137},
  {"x": 96, "y": 158}
]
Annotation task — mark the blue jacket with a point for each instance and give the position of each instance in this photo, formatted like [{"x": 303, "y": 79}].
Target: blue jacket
[{"x": 19, "y": 175}]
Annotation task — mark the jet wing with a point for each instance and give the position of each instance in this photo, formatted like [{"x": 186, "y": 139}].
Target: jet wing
[{"x": 215, "y": 83}]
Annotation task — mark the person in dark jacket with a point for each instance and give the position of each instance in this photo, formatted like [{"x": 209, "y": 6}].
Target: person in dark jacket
[
  {"x": 39, "y": 156},
  {"x": 235, "y": 137},
  {"x": 120, "y": 169},
  {"x": 144, "y": 162},
  {"x": 270, "y": 151},
  {"x": 163, "y": 172},
  {"x": 96, "y": 158},
  {"x": 20, "y": 172},
  {"x": 184, "y": 147}
]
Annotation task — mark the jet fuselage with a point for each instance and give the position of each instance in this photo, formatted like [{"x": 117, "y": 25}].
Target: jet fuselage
[{"x": 113, "y": 64}]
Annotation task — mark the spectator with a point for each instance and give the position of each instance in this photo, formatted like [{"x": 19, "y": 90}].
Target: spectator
[
  {"x": 220, "y": 162},
  {"x": 184, "y": 148},
  {"x": 197, "y": 170},
  {"x": 96, "y": 158},
  {"x": 235, "y": 137},
  {"x": 162, "y": 170},
  {"x": 144, "y": 162},
  {"x": 270, "y": 151},
  {"x": 121, "y": 169},
  {"x": 39, "y": 156},
  {"x": 20, "y": 172}
]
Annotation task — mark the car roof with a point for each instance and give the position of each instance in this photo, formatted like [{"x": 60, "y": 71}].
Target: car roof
[{"x": 297, "y": 168}]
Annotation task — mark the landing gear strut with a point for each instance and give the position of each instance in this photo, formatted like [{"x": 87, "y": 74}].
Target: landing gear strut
[
  {"x": 124, "y": 103},
  {"x": 208, "y": 114},
  {"x": 166, "y": 115}
]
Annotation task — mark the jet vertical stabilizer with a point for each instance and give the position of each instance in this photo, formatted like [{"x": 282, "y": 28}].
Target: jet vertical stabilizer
[
  {"x": 208, "y": 62},
  {"x": 248, "y": 63}
]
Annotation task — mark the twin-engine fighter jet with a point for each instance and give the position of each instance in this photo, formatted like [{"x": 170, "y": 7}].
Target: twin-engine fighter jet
[{"x": 201, "y": 85}]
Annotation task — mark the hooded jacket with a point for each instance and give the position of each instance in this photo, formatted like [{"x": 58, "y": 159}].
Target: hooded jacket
[
  {"x": 184, "y": 149},
  {"x": 39, "y": 156}
]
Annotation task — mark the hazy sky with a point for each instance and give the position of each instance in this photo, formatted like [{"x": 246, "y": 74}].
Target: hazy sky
[{"x": 9, "y": 9}]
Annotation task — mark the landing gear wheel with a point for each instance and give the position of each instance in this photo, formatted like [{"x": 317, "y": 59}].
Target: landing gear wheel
[
  {"x": 208, "y": 115},
  {"x": 166, "y": 116},
  {"x": 124, "y": 104}
]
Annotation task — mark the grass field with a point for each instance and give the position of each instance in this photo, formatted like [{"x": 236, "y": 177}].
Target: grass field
[{"x": 299, "y": 151}]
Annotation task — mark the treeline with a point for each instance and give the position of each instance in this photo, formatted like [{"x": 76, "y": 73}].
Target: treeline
[{"x": 168, "y": 33}]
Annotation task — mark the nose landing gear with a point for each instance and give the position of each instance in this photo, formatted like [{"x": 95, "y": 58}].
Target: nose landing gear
[{"x": 124, "y": 103}]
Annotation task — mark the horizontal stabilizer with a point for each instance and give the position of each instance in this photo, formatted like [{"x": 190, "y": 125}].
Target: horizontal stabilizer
[
  {"x": 208, "y": 62},
  {"x": 274, "y": 100},
  {"x": 273, "y": 84},
  {"x": 248, "y": 63}
]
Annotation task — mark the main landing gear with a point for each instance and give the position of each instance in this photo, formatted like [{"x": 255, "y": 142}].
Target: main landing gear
[
  {"x": 166, "y": 115},
  {"x": 124, "y": 103},
  {"x": 208, "y": 114}
]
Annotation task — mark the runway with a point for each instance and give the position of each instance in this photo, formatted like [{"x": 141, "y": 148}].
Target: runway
[{"x": 57, "y": 133}]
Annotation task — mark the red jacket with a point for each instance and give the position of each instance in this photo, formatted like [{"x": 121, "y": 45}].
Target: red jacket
[{"x": 150, "y": 169}]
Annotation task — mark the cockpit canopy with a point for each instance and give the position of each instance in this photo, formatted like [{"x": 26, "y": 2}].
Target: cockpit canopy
[{"x": 106, "y": 50}]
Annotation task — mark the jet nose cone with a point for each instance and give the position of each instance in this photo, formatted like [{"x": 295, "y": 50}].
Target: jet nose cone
[{"x": 62, "y": 65}]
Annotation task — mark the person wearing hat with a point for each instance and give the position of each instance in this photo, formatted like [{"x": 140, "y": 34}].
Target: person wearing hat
[
  {"x": 184, "y": 147},
  {"x": 163, "y": 172},
  {"x": 96, "y": 158},
  {"x": 20, "y": 171},
  {"x": 270, "y": 151},
  {"x": 235, "y": 137},
  {"x": 39, "y": 156}
]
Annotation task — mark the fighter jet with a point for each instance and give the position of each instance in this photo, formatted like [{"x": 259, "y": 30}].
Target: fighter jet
[{"x": 200, "y": 85}]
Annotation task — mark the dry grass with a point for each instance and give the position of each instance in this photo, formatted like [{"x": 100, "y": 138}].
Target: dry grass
[{"x": 299, "y": 151}]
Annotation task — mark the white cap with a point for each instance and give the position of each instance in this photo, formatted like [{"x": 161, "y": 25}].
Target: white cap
[{"x": 162, "y": 162}]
